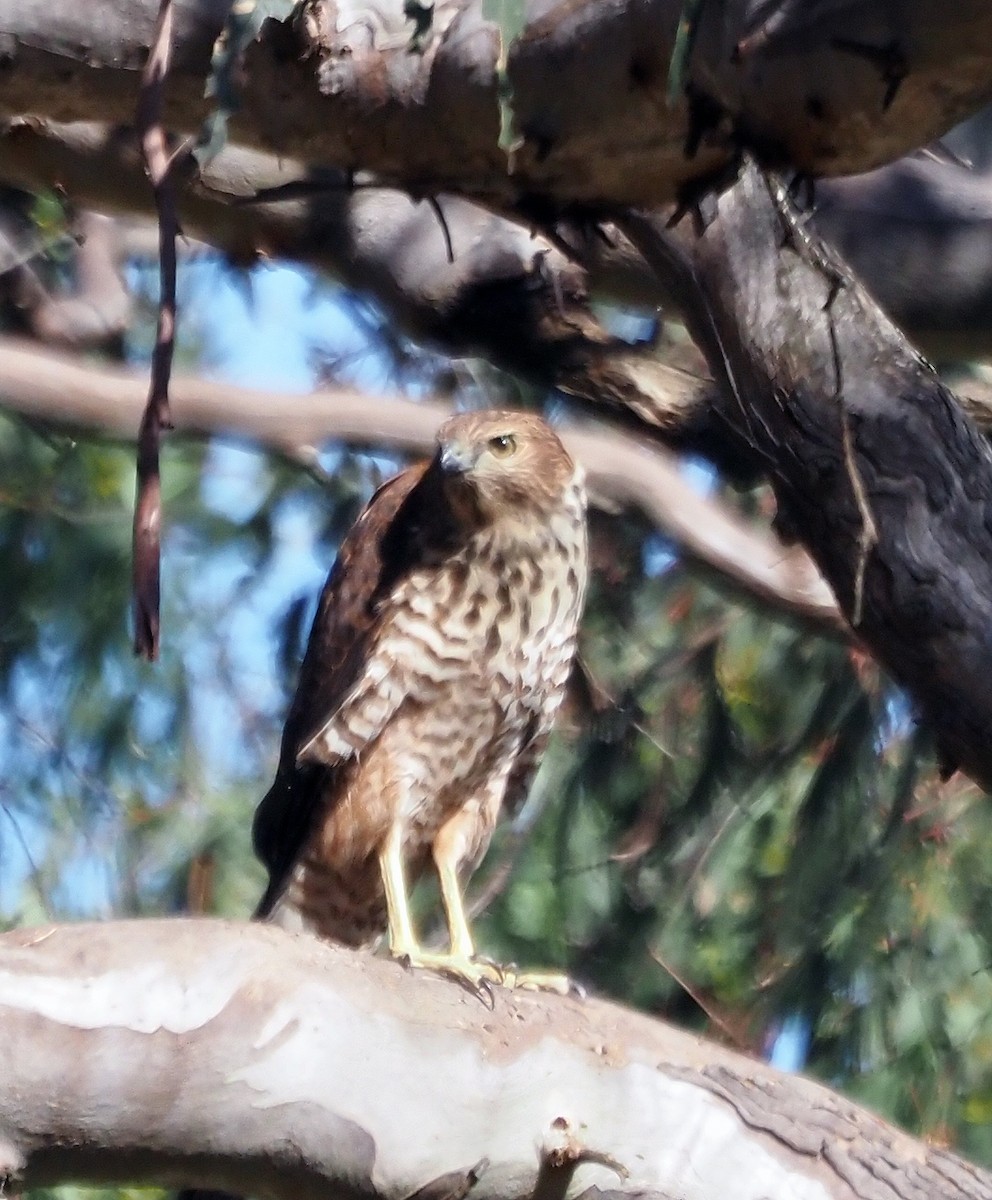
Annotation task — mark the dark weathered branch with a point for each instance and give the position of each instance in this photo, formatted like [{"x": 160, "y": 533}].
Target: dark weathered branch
[
  {"x": 876, "y": 467},
  {"x": 238, "y": 1056},
  {"x": 919, "y": 234},
  {"x": 508, "y": 295},
  {"x": 56, "y": 389},
  {"x": 833, "y": 88}
]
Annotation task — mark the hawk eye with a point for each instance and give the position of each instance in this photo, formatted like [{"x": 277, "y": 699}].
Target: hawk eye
[{"x": 503, "y": 445}]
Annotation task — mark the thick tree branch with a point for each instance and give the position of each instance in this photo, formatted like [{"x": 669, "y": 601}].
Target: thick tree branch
[
  {"x": 58, "y": 389},
  {"x": 876, "y": 467},
  {"x": 507, "y": 295},
  {"x": 343, "y": 84},
  {"x": 241, "y": 1057},
  {"x": 918, "y": 233}
]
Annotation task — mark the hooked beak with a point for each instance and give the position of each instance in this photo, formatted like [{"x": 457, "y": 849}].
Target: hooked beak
[{"x": 456, "y": 460}]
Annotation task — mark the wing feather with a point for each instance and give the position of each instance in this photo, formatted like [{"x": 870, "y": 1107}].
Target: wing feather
[{"x": 401, "y": 522}]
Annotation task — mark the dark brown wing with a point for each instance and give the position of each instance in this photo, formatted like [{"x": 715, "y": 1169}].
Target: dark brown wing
[
  {"x": 402, "y": 521},
  {"x": 524, "y": 769}
]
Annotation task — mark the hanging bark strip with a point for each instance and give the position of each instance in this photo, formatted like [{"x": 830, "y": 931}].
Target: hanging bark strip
[{"x": 159, "y": 164}]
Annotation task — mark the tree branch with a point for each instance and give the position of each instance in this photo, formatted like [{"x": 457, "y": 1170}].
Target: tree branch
[
  {"x": 344, "y": 84},
  {"x": 160, "y": 165},
  {"x": 237, "y": 1056},
  {"x": 508, "y": 295},
  {"x": 57, "y": 389},
  {"x": 875, "y": 465},
  {"x": 918, "y": 233},
  {"x": 97, "y": 311}
]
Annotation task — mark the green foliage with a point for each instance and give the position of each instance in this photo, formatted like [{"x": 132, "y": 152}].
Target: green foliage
[
  {"x": 752, "y": 831},
  {"x": 759, "y": 833}
]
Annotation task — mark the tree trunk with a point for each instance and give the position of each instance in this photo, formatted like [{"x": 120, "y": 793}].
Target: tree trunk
[
  {"x": 876, "y": 467},
  {"x": 237, "y": 1056}
]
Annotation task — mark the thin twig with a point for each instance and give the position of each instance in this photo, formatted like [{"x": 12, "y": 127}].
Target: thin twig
[
  {"x": 160, "y": 166},
  {"x": 442, "y": 220},
  {"x": 733, "y": 1035}
]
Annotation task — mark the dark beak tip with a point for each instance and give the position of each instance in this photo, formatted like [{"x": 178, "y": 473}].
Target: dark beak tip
[{"x": 452, "y": 463}]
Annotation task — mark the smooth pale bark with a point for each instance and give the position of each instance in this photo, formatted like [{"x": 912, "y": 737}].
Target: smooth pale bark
[
  {"x": 829, "y": 87},
  {"x": 242, "y": 1057},
  {"x": 59, "y": 390}
]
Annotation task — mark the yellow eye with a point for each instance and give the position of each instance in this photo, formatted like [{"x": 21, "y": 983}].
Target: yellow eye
[{"x": 503, "y": 445}]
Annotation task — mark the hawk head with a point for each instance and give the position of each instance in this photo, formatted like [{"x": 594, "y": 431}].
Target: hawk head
[{"x": 503, "y": 463}]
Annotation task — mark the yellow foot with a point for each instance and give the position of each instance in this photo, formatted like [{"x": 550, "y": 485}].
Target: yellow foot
[
  {"x": 541, "y": 981},
  {"x": 479, "y": 974},
  {"x": 476, "y": 974}
]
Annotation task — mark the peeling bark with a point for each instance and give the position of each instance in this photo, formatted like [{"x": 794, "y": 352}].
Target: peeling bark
[
  {"x": 831, "y": 88},
  {"x": 237, "y": 1056}
]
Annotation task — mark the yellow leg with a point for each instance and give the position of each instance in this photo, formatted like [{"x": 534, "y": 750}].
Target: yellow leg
[
  {"x": 459, "y": 962},
  {"x": 402, "y": 939},
  {"x": 449, "y": 853},
  {"x": 447, "y": 858}
]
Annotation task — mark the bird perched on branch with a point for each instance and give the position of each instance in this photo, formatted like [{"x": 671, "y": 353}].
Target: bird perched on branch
[{"x": 436, "y": 664}]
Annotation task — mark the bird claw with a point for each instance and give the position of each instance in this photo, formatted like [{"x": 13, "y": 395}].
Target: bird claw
[
  {"x": 476, "y": 975},
  {"x": 479, "y": 975},
  {"x": 542, "y": 981},
  {"x": 507, "y": 975}
]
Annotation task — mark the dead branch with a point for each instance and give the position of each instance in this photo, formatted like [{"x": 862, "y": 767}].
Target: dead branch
[{"x": 160, "y": 164}]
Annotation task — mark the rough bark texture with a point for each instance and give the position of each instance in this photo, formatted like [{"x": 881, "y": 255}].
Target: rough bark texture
[
  {"x": 503, "y": 293},
  {"x": 918, "y": 233},
  {"x": 241, "y": 1057},
  {"x": 830, "y": 87},
  {"x": 876, "y": 467}
]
